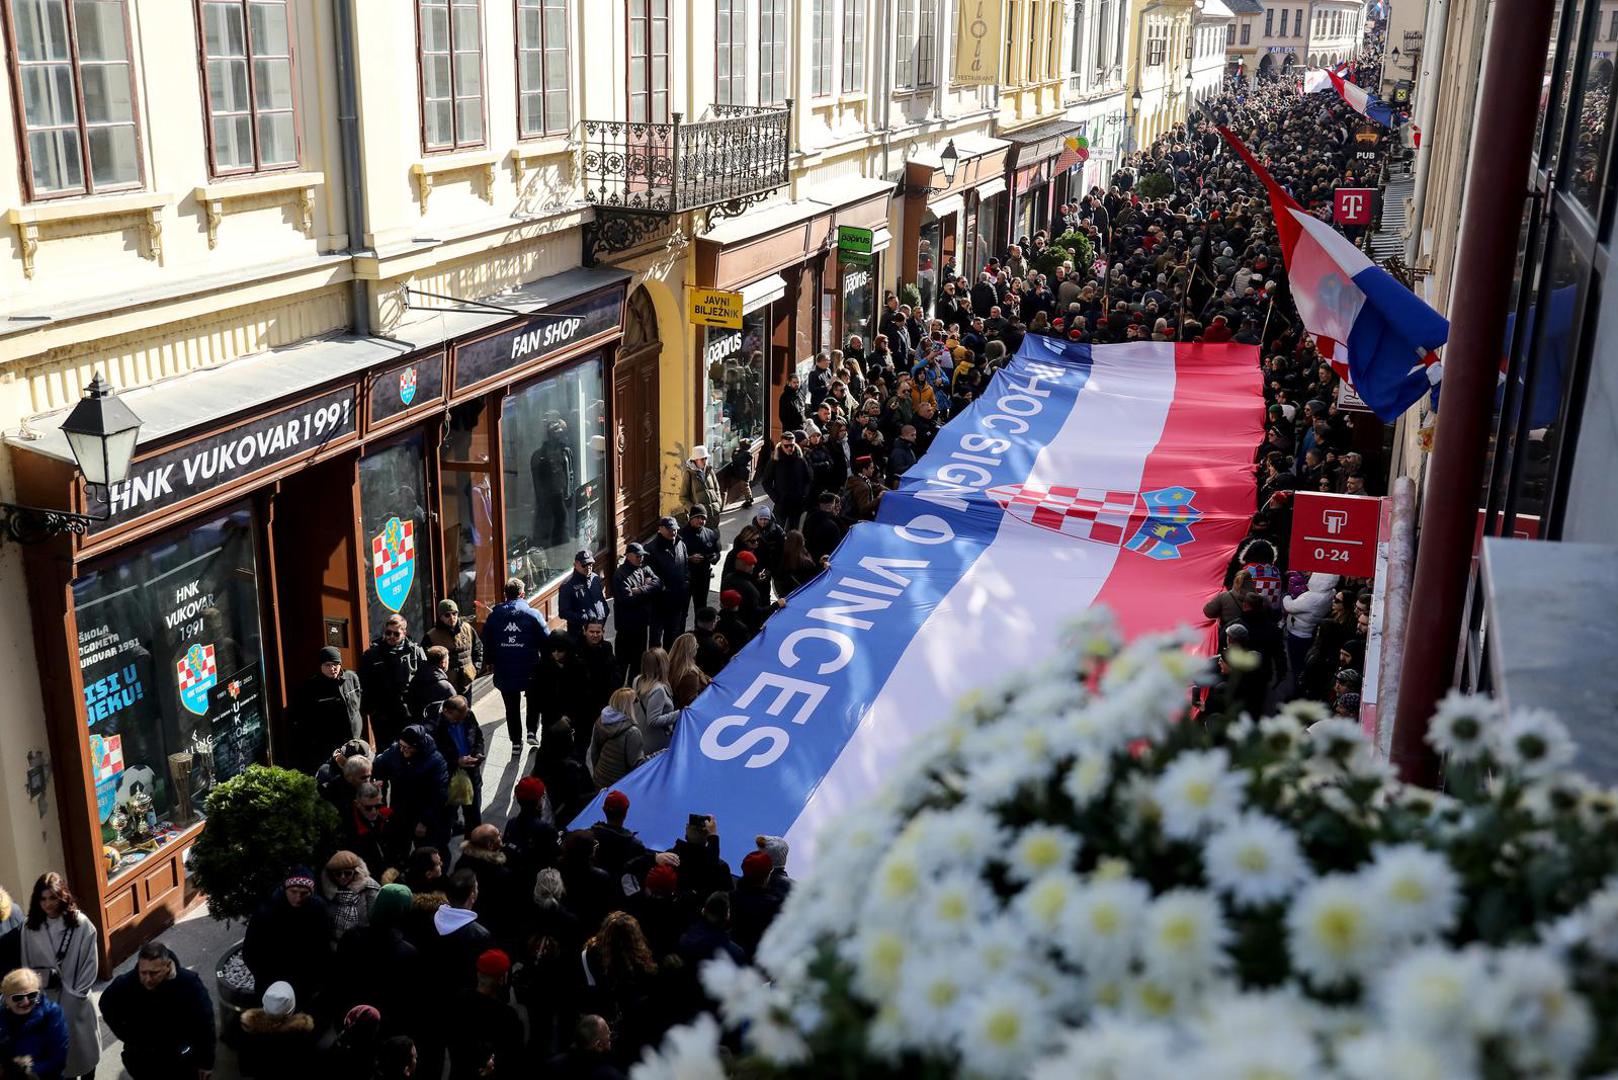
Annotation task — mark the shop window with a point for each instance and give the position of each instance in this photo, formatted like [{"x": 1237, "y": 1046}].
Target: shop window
[
  {"x": 554, "y": 446},
  {"x": 466, "y": 480},
  {"x": 927, "y": 264},
  {"x": 169, "y": 652},
  {"x": 65, "y": 55},
  {"x": 734, "y": 408},
  {"x": 451, "y": 53},
  {"x": 393, "y": 511},
  {"x": 542, "y": 68},
  {"x": 247, "y": 72},
  {"x": 859, "y": 301}
]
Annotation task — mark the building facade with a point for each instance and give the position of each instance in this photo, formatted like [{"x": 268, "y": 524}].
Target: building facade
[
  {"x": 1336, "y": 28},
  {"x": 1178, "y": 56},
  {"x": 405, "y": 310}
]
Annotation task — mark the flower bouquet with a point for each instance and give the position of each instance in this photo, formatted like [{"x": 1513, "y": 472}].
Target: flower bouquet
[{"x": 1074, "y": 879}]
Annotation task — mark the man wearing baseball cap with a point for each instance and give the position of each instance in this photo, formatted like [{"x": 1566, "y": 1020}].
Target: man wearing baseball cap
[
  {"x": 701, "y": 555},
  {"x": 465, "y": 646},
  {"x": 582, "y": 596},
  {"x": 634, "y": 595},
  {"x": 667, "y": 555}
]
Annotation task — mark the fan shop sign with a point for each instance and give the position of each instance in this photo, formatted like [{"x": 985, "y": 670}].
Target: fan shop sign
[
  {"x": 226, "y": 457},
  {"x": 559, "y": 326}
]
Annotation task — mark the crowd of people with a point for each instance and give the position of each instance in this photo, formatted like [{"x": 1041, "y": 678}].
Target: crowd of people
[{"x": 431, "y": 939}]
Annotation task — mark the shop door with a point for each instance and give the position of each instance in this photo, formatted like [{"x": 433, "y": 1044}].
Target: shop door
[
  {"x": 636, "y": 448},
  {"x": 317, "y": 595}
]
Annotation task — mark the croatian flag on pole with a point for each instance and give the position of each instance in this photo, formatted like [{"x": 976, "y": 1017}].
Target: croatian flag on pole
[
  {"x": 1119, "y": 475},
  {"x": 1360, "y": 100},
  {"x": 1360, "y": 315}
]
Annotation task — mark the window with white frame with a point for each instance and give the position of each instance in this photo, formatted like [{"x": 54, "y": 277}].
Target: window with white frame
[
  {"x": 823, "y": 17},
  {"x": 71, "y": 67},
  {"x": 450, "y": 36},
  {"x": 773, "y": 44},
  {"x": 926, "y": 42},
  {"x": 542, "y": 68},
  {"x": 853, "y": 46},
  {"x": 904, "y": 44},
  {"x": 730, "y": 53}
]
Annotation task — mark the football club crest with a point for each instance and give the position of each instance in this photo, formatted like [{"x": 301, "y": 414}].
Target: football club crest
[
  {"x": 393, "y": 562},
  {"x": 1102, "y": 516},
  {"x": 197, "y": 673},
  {"x": 407, "y": 384}
]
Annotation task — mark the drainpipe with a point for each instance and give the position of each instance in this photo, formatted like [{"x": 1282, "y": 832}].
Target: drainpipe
[
  {"x": 348, "y": 135},
  {"x": 1426, "y": 88},
  {"x": 1485, "y": 260}
]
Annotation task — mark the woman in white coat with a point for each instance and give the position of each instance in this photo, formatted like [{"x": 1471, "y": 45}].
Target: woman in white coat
[{"x": 59, "y": 943}]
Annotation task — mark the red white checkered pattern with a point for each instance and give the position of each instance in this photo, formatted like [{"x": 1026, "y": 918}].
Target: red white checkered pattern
[
  {"x": 386, "y": 559},
  {"x": 1094, "y": 514},
  {"x": 189, "y": 677}
]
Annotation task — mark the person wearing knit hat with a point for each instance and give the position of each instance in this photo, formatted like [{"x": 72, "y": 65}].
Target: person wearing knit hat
[
  {"x": 530, "y": 836},
  {"x": 276, "y": 1039},
  {"x": 485, "y": 1035},
  {"x": 730, "y": 600},
  {"x": 732, "y": 626},
  {"x": 354, "y": 1052},
  {"x": 375, "y": 965},
  {"x": 756, "y": 867},
  {"x": 755, "y": 905},
  {"x": 289, "y": 937},
  {"x": 325, "y": 710},
  {"x": 777, "y": 849},
  {"x": 662, "y": 880}
]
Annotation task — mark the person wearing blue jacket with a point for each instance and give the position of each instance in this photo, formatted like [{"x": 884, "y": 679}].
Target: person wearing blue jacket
[
  {"x": 512, "y": 636},
  {"x": 582, "y": 597},
  {"x": 32, "y": 1026}
]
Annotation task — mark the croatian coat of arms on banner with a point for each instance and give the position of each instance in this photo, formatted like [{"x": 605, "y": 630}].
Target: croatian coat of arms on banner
[
  {"x": 407, "y": 384},
  {"x": 393, "y": 562},
  {"x": 1103, "y": 516},
  {"x": 197, "y": 673}
]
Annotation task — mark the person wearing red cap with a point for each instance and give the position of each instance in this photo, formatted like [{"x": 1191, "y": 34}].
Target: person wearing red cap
[
  {"x": 745, "y": 580},
  {"x": 662, "y": 910},
  {"x": 754, "y": 906},
  {"x": 731, "y": 625},
  {"x": 483, "y": 1027},
  {"x": 530, "y": 836}
]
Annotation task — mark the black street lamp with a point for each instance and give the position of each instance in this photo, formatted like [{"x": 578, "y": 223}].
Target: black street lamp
[
  {"x": 101, "y": 432},
  {"x": 951, "y": 160}
]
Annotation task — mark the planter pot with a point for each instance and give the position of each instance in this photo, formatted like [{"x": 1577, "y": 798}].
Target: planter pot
[{"x": 234, "y": 994}]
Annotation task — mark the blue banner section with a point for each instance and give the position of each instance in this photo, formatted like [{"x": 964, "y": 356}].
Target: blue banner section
[{"x": 752, "y": 749}]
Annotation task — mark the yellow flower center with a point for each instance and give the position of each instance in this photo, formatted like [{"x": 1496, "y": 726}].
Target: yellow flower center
[
  {"x": 952, "y": 907},
  {"x": 1409, "y": 891},
  {"x": 1003, "y": 1027},
  {"x": 1156, "y": 1000},
  {"x": 1048, "y": 901},
  {"x": 899, "y": 879},
  {"x": 887, "y": 954},
  {"x": 1105, "y": 919},
  {"x": 942, "y": 994},
  {"x": 1253, "y": 859},
  {"x": 1199, "y": 793},
  {"x": 1339, "y": 928},
  {"x": 1042, "y": 852},
  {"x": 1179, "y": 932}
]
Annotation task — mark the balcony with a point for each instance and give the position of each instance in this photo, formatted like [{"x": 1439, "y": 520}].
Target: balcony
[{"x": 638, "y": 176}]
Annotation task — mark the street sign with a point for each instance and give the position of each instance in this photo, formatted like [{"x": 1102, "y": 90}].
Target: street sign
[
  {"x": 1349, "y": 398},
  {"x": 1523, "y": 527},
  {"x": 1334, "y": 534},
  {"x": 715, "y": 307},
  {"x": 1353, "y": 205}
]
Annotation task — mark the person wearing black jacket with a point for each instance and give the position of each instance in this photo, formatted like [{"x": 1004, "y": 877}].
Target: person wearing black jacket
[
  {"x": 789, "y": 407},
  {"x": 558, "y": 683},
  {"x": 419, "y": 790},
  {"x": 634, "y": 593},
  {"x": 531, "y": 838},
  {"x": 376, "y": 966},
  {"x": 702, "y": 552},
  {"x": 430, "y": 688},
  {"x": 668, "y": 557},
  {"x": 599, "y": 677},
  {"x": 582, "y": 596},
  {"x": 325, "y": 712},
  {"x": 790, "y": 482},
  {"x": 825, "y": 527},
  {"x": 386, "y": 671},
  {"x": 289, "y": 937},
  {"x": 162, "y": 1014}
]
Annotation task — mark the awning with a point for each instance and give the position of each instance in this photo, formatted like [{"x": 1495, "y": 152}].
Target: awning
[
  {"x": 881, "y": 240},
  {"x": 949, "y": 204},
  {"x": 201, "y": 399},
  {"x": 1040, "y": 141},
  {"x": 991, "y": 188},
  {"x": 762, "y": 291}
]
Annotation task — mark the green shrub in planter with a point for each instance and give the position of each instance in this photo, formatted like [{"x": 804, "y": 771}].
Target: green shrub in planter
[
  {"x": 1155, "y": 186},
  {"x": 910, "y": 294},
  {"x": 1084, "y": 252},
  {"x": 261, "y": 824}
]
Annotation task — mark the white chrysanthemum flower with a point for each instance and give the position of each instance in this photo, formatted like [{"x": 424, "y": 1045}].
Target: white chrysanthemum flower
[
  {"x": 1087, "y": 780},
  {"x": 1041, "y": 700},
  {"x": 1001, "y": 945},
  {"x": 1557, "y": 796},
  {"x": 1004, "y": 1029},
  {"x": 1103, "y": 925},
  {"x": 1598, "y": 923},
  {"x": 888, "y": 1037},
  {"x": 1198, "y": 792},
  {"x": 898, "y": 878},
  {"x": 1094, "y": 728},
  {"x": 1532, "y": 743},
  {"x": 1305, "y": 711},
  {"x": 1427, "y": 995},
  {"x": 953, "y": 904},
  {"x": 878, "y": 954},
  {"x": 996, "y": 779},
  {"x": 1112, "y": 1048},
  {"x": 1045, "y": 903},
  {"x": 1282, "y": 735},
  {"x": 1254, "y": 861},
  {"x": 1335, "y": 737},
  {"x": 1332, "y": 933},
  {"x": 1281, "y": 1054},
  {"x": 777, "y": 1041},
  {"x": 1460, "y": 726},
  {"x": 1040, "y": 849},
  {"x": 962, "y": 837},
  {"x": 1529, "y": 1003},
  {"x": 689, "y": 1052},
  {"x": 741, "y": 992},
  {"x": 1383, "y": 1056},
  {"x": 1184, "y": 936},
  {"x": 1149, "y": 998},
  {"x": 931, "y": 993},
  {"x": 1415, "y": 891}
]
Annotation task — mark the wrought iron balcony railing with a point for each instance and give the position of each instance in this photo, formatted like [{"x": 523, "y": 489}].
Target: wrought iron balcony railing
[{"x": 727, "y": 162}]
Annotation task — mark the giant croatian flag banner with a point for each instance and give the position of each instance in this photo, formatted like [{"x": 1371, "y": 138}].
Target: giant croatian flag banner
[{"x": 1118, "y": 475}]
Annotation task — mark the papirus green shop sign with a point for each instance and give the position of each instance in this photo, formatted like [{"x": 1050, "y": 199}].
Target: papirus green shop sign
[{"x": 854, "y": 245}]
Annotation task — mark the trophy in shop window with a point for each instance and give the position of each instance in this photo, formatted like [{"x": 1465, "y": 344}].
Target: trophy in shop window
[{"x": 180, "y": 777}]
